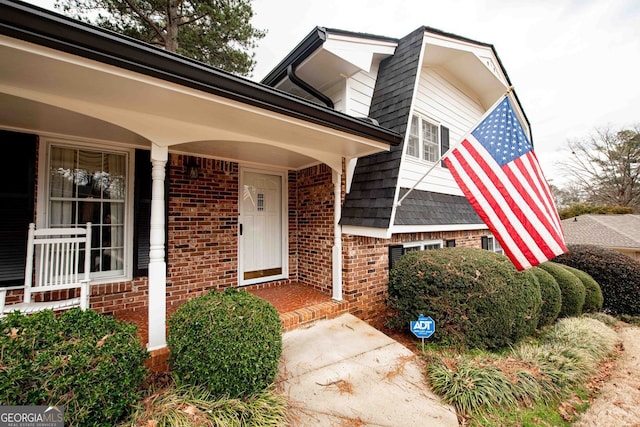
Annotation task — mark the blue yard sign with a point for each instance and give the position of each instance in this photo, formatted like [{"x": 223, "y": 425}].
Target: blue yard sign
[{"x": 424, "y": 327}]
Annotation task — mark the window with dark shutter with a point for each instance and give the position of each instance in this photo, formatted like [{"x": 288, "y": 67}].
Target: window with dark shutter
[
  {"x": 485, "y": 242},
  {"x": 444, "y": 143},
  {"x": 17, "y": 193},
  {"x": 450, "y": 243},
  {"x": 395, "y": 252}
]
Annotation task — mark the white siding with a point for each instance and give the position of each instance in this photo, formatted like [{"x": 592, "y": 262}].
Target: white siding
[
  {"x": 446, "y": 102},
  {"x": 337, "y": 94},
  {"x": 360, "y": 91}
]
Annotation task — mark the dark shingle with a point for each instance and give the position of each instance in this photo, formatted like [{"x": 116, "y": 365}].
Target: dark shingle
[
  {"x": 376, "y": 176},
  {"x": 428, "y": 208}
]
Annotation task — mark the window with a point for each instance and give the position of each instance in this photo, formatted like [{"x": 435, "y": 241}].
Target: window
[
  {"x": 424, "y": 141},
  {"x": 396, "y": 251},
  {"x": 87, "y": 185},
  {"x": 490, "y": 243}
]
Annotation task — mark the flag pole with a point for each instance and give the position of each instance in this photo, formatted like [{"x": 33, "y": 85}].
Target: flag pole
[{"x": 442, "y": 157}]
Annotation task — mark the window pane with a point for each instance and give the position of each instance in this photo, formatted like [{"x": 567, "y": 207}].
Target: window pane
[
  {"x": 430, "y": 141},
  {"x": 413, "y": 147},
  {"x": 62, "y": 172},
  {"x": 90, "y": 186}
]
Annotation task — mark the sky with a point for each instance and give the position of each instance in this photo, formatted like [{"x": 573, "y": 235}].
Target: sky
[{"x": 574, "y": 64}]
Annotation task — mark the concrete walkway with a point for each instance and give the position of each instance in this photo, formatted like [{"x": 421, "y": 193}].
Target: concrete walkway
[{"x": 343, "y": 372}]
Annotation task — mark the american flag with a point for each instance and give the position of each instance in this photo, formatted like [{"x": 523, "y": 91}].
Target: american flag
[{"x": 498, "y": 172}]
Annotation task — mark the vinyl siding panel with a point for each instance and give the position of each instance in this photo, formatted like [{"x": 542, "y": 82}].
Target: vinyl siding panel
[{"x": 360, "y": 91}]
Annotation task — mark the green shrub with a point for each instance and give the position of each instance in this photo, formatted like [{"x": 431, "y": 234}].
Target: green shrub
[
  {"x": 551, "y": 297},
  {"x": 476, "y": 297},
  {"x": 593, "y": 294},
  {"x": 586, "y": 209},
  {"x": 469, "y": 387},
  {"x": 571, "y": 289},
  {"x": 532, "y": 299},
  {"x": 89, "y": 363},
  {"x": 617, "y": 274},
  {"x": 228, "y": 342}
]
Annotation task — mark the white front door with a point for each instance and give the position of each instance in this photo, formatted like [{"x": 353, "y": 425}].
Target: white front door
[{"x": 262, "y": 227}]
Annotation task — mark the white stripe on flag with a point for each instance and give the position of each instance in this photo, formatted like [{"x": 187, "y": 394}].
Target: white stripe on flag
[
  {"x": 515, "y": 224},
  {"x": 545, "y": 226},
  {"x": 498, "y": 226}
]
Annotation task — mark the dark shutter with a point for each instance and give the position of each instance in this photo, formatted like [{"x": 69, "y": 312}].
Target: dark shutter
[
  {"x": 395, "y": 252},
  {"x": 17, "y": 184},
  {"x": 485, "y": 242},
  {"x": 450, "y": 243},
  {"x": 444, "y": 143},
  {"x": 142, "y": 212}
]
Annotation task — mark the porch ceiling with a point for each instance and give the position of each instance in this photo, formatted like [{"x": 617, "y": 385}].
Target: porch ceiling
[{"x": 48, "y": 91}]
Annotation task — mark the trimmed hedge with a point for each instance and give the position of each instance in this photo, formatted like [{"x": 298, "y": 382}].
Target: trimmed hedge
[
  {"x": 532, "y": 298},
  {"x": 476, "y": 297},
  {"x": 617, "y": 274},
  {"x": 551, "y": 297},
  {"x": 228, "y": 342},
  {"x": 571, "y": 289},
  {"x": 91, "y": 364},
  {"x": 593, "y": 297}
]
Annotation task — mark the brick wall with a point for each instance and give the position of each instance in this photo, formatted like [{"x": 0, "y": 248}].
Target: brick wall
[
  {"x": 315, "y": 233},
  {"x": 202, "y": 250},
  {"x": 365, "y": 269}
]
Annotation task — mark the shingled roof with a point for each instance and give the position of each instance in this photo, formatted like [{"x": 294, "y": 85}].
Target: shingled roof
[
  {"x": 429, "y": 208},
  {"x": 613, "y": 231},
  {"x": 370, "y": 201}
]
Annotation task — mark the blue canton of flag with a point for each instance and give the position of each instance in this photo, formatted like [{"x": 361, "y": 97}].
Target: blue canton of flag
[{"x": 501, "y": 134}]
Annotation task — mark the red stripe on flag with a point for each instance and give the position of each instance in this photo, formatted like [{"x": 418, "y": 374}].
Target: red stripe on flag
[
  {"x": 541, "y": 204},
  {"x": 511, "y": 205},
  {"x": 496, "y": 209},
  {"x": 533, "y": 201},
  {"x": 549, "y": 197}
]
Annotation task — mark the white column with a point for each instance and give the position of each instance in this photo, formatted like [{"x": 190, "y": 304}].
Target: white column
[
  {"x": 157, "y": 264},
  {"x": 337, "y": 235}
]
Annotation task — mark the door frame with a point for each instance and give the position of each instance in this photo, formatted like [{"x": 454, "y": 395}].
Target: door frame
[{"x": 284, "y": 212}]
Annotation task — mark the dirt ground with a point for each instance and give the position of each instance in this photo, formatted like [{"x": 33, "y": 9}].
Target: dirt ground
[{"x": 618, "y": 402}]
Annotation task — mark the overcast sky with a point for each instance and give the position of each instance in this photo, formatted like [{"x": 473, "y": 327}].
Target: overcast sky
[{"x": 575, "y": 64}]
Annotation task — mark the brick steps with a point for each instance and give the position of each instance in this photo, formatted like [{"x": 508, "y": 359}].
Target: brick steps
[{"x": 299, "y": 306}]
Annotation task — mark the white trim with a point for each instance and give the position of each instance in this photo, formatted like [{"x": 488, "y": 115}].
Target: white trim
[
  {"x": 42, "y": 204},
  {"x": 285, "y": 225},
  {"x": 422, "y": 243},
  {"x": 401, "y": 229},
  {"x": 336, "y": 178},
  {"x": 378, "y": 233}
]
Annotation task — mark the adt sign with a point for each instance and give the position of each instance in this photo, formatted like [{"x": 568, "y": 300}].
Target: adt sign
[{"x": 424, "y": 327}]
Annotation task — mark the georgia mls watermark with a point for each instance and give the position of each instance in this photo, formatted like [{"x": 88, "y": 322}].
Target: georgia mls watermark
[{"x": 31, "y": 416}]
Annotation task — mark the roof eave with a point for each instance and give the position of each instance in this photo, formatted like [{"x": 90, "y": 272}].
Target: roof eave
[
  {"x": 303, "y": 50},
  {"x": 36, "y": 25}
]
